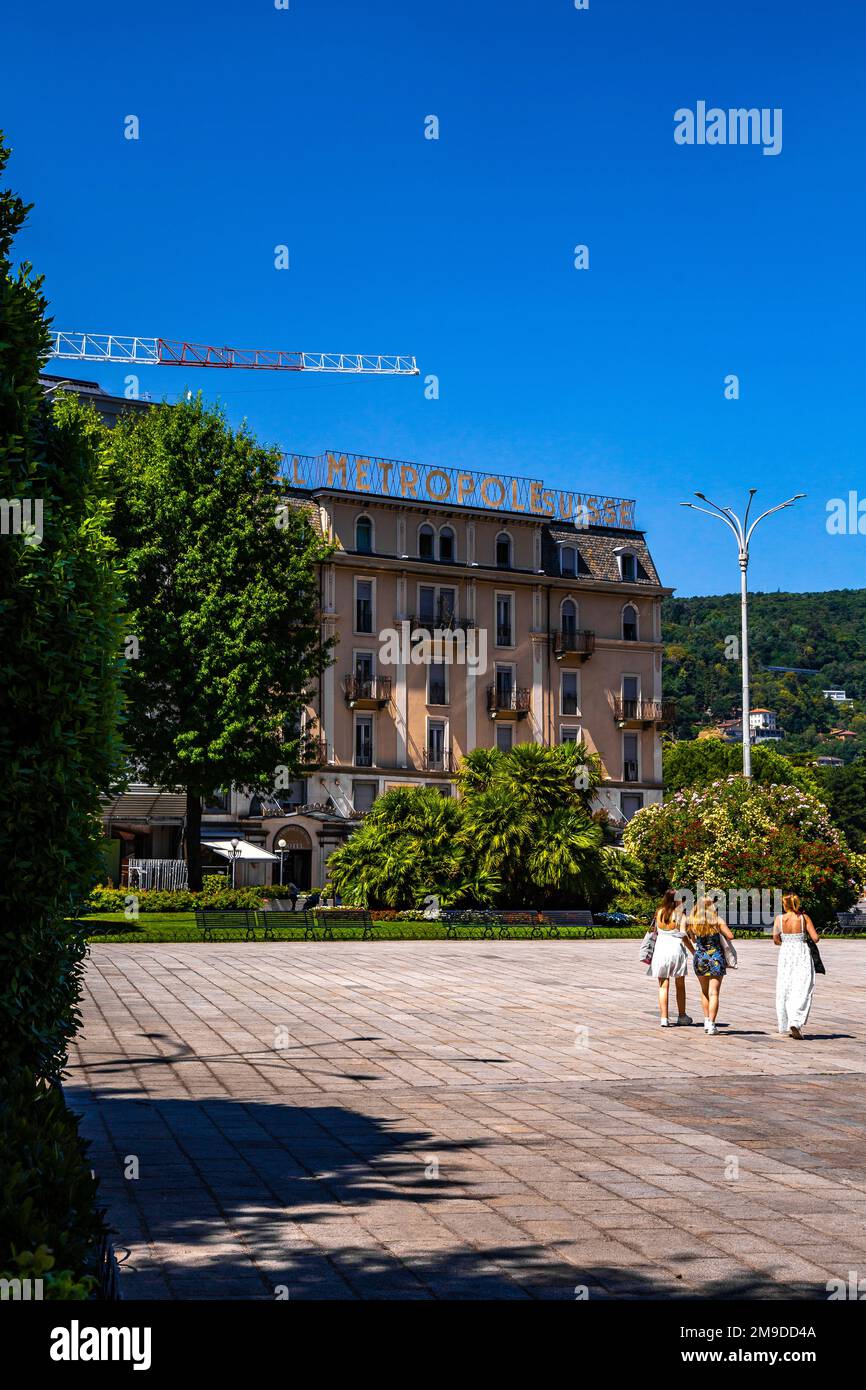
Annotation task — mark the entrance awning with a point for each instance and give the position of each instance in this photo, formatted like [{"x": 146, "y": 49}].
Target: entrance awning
[{"x": 244, "y": 850}]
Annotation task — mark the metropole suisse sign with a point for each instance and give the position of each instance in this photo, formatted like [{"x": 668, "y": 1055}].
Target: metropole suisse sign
[{"x": 455, "y": 486}]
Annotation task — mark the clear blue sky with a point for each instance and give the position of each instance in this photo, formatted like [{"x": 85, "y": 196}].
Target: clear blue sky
[{"x": 261, "y": 126}]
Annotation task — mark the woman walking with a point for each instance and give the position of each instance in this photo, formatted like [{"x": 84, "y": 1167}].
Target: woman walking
[
  {"x": 795, "y": 978},
  {"x": 669, "y": 959},
  {"x": 705, "y": 934}
]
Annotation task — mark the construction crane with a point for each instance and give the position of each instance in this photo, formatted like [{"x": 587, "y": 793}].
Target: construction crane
[{"x": 166, "y": 352}]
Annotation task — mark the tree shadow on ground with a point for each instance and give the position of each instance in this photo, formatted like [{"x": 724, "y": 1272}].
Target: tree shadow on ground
[{"x": 264, "y": 1200}]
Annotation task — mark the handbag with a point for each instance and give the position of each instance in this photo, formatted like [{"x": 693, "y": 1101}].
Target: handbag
[
  {"x": 648, "y": 945},
  {"x": 816, "y": 956},
  {"x": 729, "y": 951}
]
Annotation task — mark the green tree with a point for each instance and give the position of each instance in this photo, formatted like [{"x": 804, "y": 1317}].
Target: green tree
[
  {"x": 222, "y": 594},
  {"x": 698, "y": 762},
  {"x": 59, "y": 673}
]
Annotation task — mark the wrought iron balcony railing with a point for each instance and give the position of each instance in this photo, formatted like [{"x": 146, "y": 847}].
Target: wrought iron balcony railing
[
  {"x": 579, "y": 642},
  {"x": 643, "y": 711},
  {"x": 441, "y": 761},
  {"x": 508, "y": 701},
  {"x": 366, "y": 692}
]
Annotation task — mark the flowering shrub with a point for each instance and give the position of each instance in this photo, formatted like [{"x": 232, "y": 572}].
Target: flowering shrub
[
  {"x": 182, "y": 900},
  {"x": 741, "y": 834}
]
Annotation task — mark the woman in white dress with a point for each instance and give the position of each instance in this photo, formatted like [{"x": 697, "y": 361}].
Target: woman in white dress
[
  {"x": 669, "y": 959},
  {"x": 795, "y": 979}
]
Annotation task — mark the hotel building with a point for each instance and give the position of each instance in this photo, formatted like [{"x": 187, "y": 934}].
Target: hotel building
[{"x": 544, "y": 613}]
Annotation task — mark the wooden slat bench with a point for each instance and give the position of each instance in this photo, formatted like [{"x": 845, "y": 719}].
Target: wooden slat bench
[
  {"x": 210, "y": 919},
  {"x": 331, "y": 917},
  {"x": 568, "y": 917},
  {"x": 455, "y": 918}
]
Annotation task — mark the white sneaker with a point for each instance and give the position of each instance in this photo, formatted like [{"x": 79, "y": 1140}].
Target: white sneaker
[
  {"x": 710, "y": 1027},
  {"x": 684, "y": 1020},
  {"x": 665, "y": 1022}
]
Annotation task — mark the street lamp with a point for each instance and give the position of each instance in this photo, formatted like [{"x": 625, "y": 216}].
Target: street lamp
[
  {"x": 743, "y": 537},
  {"x": 281, "y": 846},
  {"x": 235, "y": 852}
]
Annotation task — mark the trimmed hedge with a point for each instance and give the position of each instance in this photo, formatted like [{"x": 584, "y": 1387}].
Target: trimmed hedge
[
  {"x": 181, "y": 899},
  {"x": 50, "y": 1225}
]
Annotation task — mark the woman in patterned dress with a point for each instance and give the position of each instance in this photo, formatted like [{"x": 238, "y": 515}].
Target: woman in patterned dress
[
  {"x": 795, "y": 978},
  {"x": 705, "y": 930}
]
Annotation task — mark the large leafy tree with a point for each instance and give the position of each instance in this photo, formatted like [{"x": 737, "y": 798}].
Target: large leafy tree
[
  {"x": 59, "y": 674},
  {"x": 699, "y": 762},
  {"x": 222, "y": 595},
  {"x": 521, "y": 835}
]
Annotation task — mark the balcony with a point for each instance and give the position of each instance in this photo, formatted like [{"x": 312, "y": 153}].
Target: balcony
[
  {"x": 438, "y": 761},
  {"x": 507, "y": 704},
  {"x": 504, "y": 635},
  {"x": 442, "y": 619},
  {"x": 367, "y": 692},
  {"x": 576, "y": 645},
  {"x": 642, "y": 714}
]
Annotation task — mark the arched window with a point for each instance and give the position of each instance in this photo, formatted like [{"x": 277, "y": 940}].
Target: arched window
[
  {"x": 629, "y": 623},
  {"x": 425, "y": 542},
  {"x": 364, "y": 535},
  {"x": 503, "y": 551},
  {"x": 568, "y": 616},
  {"x": 567, "y": 560},
  {"x": 446, "y": 543}
]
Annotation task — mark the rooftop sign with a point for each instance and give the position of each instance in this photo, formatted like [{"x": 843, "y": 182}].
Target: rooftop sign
[{"x": 458, "y": 487}]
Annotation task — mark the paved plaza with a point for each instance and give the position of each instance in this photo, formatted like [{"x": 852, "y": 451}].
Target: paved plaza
[{"x": 468, "y": 1119}]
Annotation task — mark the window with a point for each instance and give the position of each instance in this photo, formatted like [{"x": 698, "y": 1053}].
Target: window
[
  {"x": 503, "y": 550},
  {"x": 630, "y": 804},
  {"x": 504, "y": 737},
  {"x": 363, "y": 675},
  {"x": 364, "y": 605},
  {"x": 628, "y": 567},
  {"x": 569, "y": 735},
  {"x": 568, "y": 693},
  {"x": 294, "y": 795},
  {"x": 427, "y": 605},
  {"x": 630, "y": 696},
  {"x": 504, "y": 687},
  {"x": 446, "y": 607},
  {"x": 364, "y": 742},
  {"x": 217, "y": 801},
  {"x": 629, "y": 623},
  {"x": 364, "y": 535},
  {"x": 436, "y": 745},
  {"x": 630, "y": 772},
  {"x": 425, "y": 543},
  {"x": 504, "y": 636},
  {"x": 567, "y": 560},
  {"x": 446, "y": 544},
  {"x": 363, "y": 795},
  {"x": 568, "y": 616},
  {"x": 437, "y": 688}
]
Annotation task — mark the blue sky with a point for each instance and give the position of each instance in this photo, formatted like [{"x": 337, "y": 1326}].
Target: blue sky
[{"x": 305, "y": 127}]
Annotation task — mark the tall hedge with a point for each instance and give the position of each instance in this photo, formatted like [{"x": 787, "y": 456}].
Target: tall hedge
[{"x": 60, "y": 637}]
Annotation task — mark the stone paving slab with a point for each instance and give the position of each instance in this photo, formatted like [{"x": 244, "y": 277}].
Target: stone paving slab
[{"x": 468, "y": 1120}]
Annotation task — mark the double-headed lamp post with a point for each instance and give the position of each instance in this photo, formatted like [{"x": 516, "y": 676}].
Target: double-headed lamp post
[{"x": 743, "y": 533}]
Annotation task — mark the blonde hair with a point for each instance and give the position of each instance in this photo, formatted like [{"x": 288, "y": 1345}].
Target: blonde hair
[
  {"x": 790, "y": 902},
  {"x": 704, "y": 920}
]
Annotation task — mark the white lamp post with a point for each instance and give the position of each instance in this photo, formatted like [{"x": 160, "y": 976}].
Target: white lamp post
[
  {"x": 281, "y": 846},
  {"x": 743, "y": 537},
  {"x": 234, "y": 845}
]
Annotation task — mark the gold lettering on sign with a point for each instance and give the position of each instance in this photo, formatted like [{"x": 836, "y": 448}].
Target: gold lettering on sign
[
  {"x": 408, "y": 480},
  {"x": 336, "y": 466},
  {"x": 515, "y": 505},
  {"x": 385, "y": 469},
  {"x": 465, "y": 486},
  {"x": 548, "y": 501},
  {"x": 493, "y": 482},
  {"x": 296, "y": 477},
  {"x": 535, "y": 497},
  {"x": 438, "y": 496},
  {"x": 566, "y": 502},
  {"x": 593, "y": 513},
  {"x": 610, "y": 511},
  {"x": 362, "y": 482}
]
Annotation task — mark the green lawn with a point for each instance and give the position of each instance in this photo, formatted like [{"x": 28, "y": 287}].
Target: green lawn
[{"x": 180, "y": 926}]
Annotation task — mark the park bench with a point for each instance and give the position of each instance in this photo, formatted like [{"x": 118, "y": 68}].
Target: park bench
[
  {"x": 330, "y": 917},
  {"x": 846, "y": 924},
  {"x": 569, "y": 917},
  {"x": 455, "y": 918},
  {"x": 210, "y": 919}
]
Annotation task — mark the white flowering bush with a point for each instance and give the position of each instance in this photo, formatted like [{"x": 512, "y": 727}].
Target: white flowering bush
[{"x": 741, "y": 834}]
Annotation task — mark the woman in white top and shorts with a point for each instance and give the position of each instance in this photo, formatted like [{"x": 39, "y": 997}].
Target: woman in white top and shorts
[{"x": 669, "y": 959}]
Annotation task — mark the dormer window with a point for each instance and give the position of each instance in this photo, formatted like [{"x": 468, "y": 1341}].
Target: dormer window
[
  {"x": 364, "y": 535},
  {"x": 503, "y": 551},
  {"x": 568, "y": 560},
  {"x": 446, "y": 544},
  {"x": 425, "y": 543},
  {"x": 627, "y": 566}
]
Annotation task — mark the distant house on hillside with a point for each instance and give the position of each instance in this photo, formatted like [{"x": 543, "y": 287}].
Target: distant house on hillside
[
  {"x": 838, "y": 696},
  {"x": 763, "y": 727},
  {"x": 827, "y": 761},
  {"x": 843, "y": 734}
]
